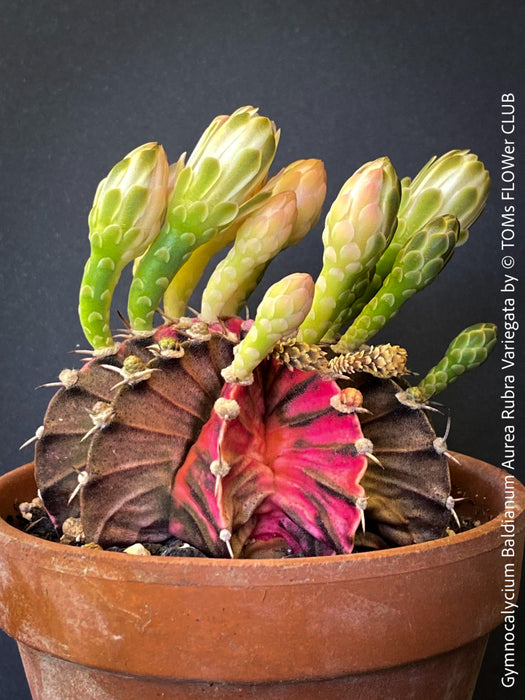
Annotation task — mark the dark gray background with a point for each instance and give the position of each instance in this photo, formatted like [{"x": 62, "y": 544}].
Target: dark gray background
[{"x": 85, "y": 82}]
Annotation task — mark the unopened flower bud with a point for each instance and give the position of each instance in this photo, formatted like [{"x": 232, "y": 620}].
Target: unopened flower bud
[
  {"x": 127, "y": 213},
  {"x": 228, "y": 165},
  {"x": 307, "y": 180},
  {"x": 259, "y": 238},
  {"x": 283, "y": 308},
  {"x": 358, "y": 228}
]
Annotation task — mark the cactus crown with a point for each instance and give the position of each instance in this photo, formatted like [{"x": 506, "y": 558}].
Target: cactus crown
[{"x": 283, "y": 434}]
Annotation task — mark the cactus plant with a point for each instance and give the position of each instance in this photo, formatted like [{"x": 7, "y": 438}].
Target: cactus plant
[{"x": 258, "y": 437}]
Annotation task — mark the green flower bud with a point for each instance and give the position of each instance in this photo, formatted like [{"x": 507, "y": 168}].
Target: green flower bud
[
  {"x": 229, "y": 164},
  {"x": 126, "y": 216},
  {"x": 456, "y": 184},
  {"x": 259, "y": 238},
  {"x": 307, "y": 180},
  {"x": 231, "y": 159},
  {"x": 283, "y": 308},
  {"x": 358, "y": 228},
  {"x": 417, "y": 264},
  {"x": 467, "y": 351}
]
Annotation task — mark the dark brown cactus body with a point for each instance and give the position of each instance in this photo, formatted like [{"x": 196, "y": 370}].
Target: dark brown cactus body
[
  {"x": 132, "y": 461},
  {"x": 145, "y": 467},
  {"x": 407, "y": 493},
  {"x": 61, "y": 453},
  {"x": 156, "y": 423}
]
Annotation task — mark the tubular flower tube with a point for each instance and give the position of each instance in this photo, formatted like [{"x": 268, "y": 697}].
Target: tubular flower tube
[
  {"x": 358, "y": 228},
  {"x": 228, "y": 164},
  {"x": 259, "y": 238},
  {"x": 282, "y": 310},
  {"x": 455, "y": 183},
  {"x": 417, "y": 264},
  {"x": 177, "y": 295},
  {"x": 467, "y": 351},
  {"x": 126, "y": 216},
  {"x": 173, "y": 171}
]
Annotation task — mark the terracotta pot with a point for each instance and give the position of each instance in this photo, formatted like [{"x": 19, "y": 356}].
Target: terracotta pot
[{"x": 405, "y": 623}]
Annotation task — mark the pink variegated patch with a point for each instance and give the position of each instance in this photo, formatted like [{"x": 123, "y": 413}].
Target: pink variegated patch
[{"x": 290, "y": 477}]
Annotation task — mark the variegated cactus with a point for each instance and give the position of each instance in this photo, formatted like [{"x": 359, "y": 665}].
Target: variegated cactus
[{"x": 258, "y": 437}]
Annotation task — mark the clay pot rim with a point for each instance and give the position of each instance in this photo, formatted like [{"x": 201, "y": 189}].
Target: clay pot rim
[{"x": 250, "y": 572}]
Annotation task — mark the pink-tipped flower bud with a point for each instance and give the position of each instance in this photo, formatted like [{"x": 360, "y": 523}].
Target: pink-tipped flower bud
[
  {"x": 260, "y": 237},
  {"x": 358, "y": 228},
  {"x": 307, "y": 180}
]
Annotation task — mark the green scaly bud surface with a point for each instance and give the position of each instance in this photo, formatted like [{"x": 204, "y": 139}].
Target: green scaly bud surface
[
  {"x": 307, "y": 180},
  {"x": 417, "y": 264},
  {"x": 456, "y": 183},
  {"x": 125, "y": 218},
  {"x": 227, "y": 165},
  {"x": 181, "y": 287},
  {"x": 358, "y": 228},
  {"x": 259, "y": 239},
  {"x": 467, "y": 351},
  {"x": 282, "y": 310}
]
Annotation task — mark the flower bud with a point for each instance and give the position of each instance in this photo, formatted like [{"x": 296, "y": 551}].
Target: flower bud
[
  {"x": 467, "y": 351},
  {"x": 456, "y": 183},
  {"x": 230, "y": 160},
  {"x": 283, "y": 308},
  {"x": 132, "y": 201},
  {"x": 358, "y": 228},
  {"x": 417, "y": 264},
  {"x": 126, "y": 216},
  {"x": 304, "y": 183},
  {"x": 229, "y": 164},
  {"x": 260, "y": 237},
  {"x": 307, "y": 179}
]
